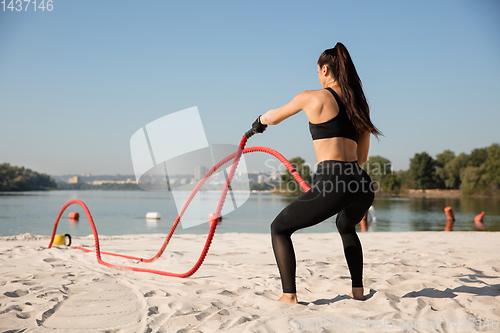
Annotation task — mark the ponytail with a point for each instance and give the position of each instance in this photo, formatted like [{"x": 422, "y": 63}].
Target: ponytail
[{"x": 340, "y": 64}]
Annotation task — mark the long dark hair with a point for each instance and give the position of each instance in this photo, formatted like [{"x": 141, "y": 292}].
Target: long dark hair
[{"x": 340, "y": 64}]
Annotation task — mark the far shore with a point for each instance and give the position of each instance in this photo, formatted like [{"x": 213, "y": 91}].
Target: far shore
[
  {"x": 433, "y": 193},
  {"x": 407, "y": 193}
]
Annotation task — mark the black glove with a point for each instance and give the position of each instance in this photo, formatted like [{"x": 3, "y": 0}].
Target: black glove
[{"x": 258, "y": 127}]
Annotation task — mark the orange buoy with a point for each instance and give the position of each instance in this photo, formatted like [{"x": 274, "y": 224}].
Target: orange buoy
[
  {"x": 364, "y": 222},
  {"x": 450, "y": 217},
  {"x": 74, "y": 216},
  {"x": 478, "y": 221}
]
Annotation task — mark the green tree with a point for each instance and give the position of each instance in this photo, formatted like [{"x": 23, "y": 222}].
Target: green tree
[
  {"x": 423, "y": 171},
  {"x": 390, "y": 184},
  {"x": 304, "y": 171},
  {"x": 453, "y": 169},
  {"x": 493, "y": 164},
  {"x": 445, "y": 157},
  {"x": 377, "y": 167},
  {"x": 474, "y": 179},
  {"x": 13, "y": 178},
  {"x": 380, "y": 171},
  {"x": 441, "y": 161},
  {"x": 403, "y": 179},
  {"x": 477, "y": 157}
]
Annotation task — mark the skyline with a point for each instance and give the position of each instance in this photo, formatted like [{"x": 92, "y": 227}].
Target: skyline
[{"x": 77, "y": 82}]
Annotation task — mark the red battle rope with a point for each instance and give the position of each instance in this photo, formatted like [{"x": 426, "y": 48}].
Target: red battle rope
[{"x": 237, "y": 155}]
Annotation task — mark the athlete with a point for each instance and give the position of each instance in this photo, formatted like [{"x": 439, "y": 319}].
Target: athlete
[{"x": 340, "y": 126}]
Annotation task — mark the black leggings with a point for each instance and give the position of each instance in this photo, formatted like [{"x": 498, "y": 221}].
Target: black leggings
[{"x": 341, "y": 188}]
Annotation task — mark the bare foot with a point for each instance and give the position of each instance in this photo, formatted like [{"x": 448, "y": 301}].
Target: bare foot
[
  {"x": 289, "y": 298},
  {"x": 357, "y": 293}
]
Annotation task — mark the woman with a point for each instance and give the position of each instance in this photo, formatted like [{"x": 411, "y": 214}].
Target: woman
[{"x": 339, "y": 121}]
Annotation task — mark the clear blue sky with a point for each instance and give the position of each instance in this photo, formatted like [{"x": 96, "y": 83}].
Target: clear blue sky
[{"x": 77, "y": 82}]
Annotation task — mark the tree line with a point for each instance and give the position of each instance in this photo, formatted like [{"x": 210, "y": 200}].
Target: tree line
[
  {"x": 474, "y": 173},
  {"x": 13, "y": 178}
]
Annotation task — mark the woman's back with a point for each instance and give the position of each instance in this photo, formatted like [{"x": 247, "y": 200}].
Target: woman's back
[{"x": 324, "y": 108}]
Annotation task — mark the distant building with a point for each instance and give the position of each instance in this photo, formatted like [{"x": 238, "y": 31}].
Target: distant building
[
  {"x": 261, "y": 178},
  {"x": 276, "y": 176},
  {"x": 73, "y": 180},
  {"x": 100, "y": 182},
  {"x": 199, "y": 171}
]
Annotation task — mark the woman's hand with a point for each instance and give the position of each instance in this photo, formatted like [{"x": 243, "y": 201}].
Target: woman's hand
[{"x": 258, "y": 126}]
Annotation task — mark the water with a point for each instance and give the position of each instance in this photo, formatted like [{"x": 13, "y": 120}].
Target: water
[{"x": 123, "y": 212}]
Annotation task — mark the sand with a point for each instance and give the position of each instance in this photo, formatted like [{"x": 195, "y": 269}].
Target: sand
[{"x": 434, "y": 281}]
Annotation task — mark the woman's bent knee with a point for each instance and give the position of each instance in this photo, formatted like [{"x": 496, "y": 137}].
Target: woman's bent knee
[
  {"x": 345, "y": 225},
  {"x": 278, "y": 227}
]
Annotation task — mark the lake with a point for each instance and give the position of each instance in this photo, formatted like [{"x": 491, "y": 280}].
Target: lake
[{"x": 123, "y": 212}]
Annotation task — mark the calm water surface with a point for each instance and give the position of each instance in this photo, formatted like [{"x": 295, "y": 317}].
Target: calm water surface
[{"x": 123, "y": 212}]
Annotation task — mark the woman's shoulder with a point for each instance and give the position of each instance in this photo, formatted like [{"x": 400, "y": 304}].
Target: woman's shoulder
[
  {"x": 313, "y": 94},
  {"x": 315, "y": 97},
  {"x": 312, "y": 101}
]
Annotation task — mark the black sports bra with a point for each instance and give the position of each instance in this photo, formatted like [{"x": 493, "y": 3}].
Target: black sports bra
[{"x": 338, "y": 126}]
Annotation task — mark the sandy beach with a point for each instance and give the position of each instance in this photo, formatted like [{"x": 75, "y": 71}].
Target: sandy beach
[{"x": 414, "y": 282}]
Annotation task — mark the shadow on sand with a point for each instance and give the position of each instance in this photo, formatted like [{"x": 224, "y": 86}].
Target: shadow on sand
[{"x": 326, "y": 301}]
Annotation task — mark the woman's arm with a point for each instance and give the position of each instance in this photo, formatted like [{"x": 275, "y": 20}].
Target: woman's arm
[
  {"x": 363, "y": 147},
  {"x": 276, "y": 116}
]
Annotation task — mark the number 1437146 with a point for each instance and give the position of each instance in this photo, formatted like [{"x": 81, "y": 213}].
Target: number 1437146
[{"x": 25, "y": 5}]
